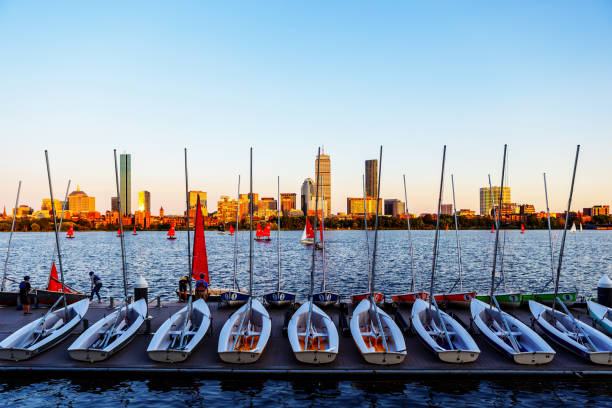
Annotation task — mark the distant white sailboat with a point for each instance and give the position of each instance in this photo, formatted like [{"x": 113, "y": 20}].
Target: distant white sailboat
[{"x": 573, "y": 229}]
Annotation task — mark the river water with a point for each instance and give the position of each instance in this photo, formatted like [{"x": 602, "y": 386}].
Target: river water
[{"x": 162, "y": 262}]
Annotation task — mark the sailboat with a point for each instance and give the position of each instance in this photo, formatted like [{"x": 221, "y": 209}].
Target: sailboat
[
  {"x": 506, "y": 298},
  {"x": 410, "y": 297},
  {"x": 235, "y": 297},
  {"x": 522, "y": 229},
  {"x": 440, "y": 333},
  {"x": 308, "y": 234},
  {"x": 55, "y": 325},
  {"x": 324, "y": 298},
  {"x": 461, "y": 298},
  {"x": 376, "y": 335},
  {"x": 231, "y": 230},
  {"x": 177, "y": 337},
  {"x": 312, "y": 334},
  {"x": 563, "y": 328},
  {"x": 580, "y": 227},
  {"x": 279, "y": 298},
  {"x": 114, "y": 331},
  {"x": 573, "y": 229},
  {"x": 601, "y": 314},
  {"x": 543, "y": 296},
  {"x": 377, "y": 296},
  {"x": 119, "y": 234},
  {"x": 245, "y": 334},
  {"x": 263, "y": 234},
  {"x": 172, "y": 233},
  {"x": 504, "y": 332},
  {"x": 70, "y": 233},
  {"x": 134, "y": 231}
]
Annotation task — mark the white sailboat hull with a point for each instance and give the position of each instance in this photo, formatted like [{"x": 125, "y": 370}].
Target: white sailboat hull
[
  {"x": 160, "y": 348},
  {"x": 532, "y": 348},
  {"x": 324, "y": 336},
  {"x": 17, "y": 346},
  {"x": 428, "y": 328},
  {"x": 254, "y": 343},
  {"x": 84, "y": 347},
  {"x": 364, "y": 325},
  {"x": 565, "y": 334},
  {"x": 601, "y": 314}
]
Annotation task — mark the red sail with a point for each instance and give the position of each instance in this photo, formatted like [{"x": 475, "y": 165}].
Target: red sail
[
  {"x": 200, "y": 260},
  {"x": 522, "y": 229},
  {"x": 119, "y": 232},
  {"x": 70, "y": 232},
  {"x": 266, "y": 231},
  {"x": 231, "y": 229},
  {"x": 134, "y": 228},
  {"x": 258, "y": 232},
  {"x": 55, "y": 285},
  {"x": 321, "y": 232},
  {"x": 171, "y": 232},
  {"x": 309, "y": 230}
]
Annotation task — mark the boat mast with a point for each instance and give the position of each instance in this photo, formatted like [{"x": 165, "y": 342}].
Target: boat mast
[
  {"x": 497, "y": 224},
  {"x": 189, "y": 261},
  {"x": 314, "y": 248},
  {"x": 60, "y": 228},
  {"x": 8, "y": 248},
  {"x": 278, "y": 224},
  {"x": 251, "y": 229},
  {"x": 552, "y": 252},
  {"x": 123, "y": 262},
  {"x": 365, "y": 229},
  {"x": 59, "y": 253},
  {"x": 569, "y": 203},
  {"x": 236, "y": 236},
  {"x": 435, "y": 246},
  {"x": 324, "y": 286},
  {"x": 458, "y": 239},
  {"x": 409, "y": 238},
  {"x": 499, "y": 207}
]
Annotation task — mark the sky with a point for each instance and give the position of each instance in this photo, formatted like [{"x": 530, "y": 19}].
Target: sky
[{"x": 151, "y": 78}]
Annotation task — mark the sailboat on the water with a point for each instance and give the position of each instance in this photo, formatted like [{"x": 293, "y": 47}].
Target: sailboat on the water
[
  {"x": 56, "y": 324},
  {"x": 312, "y": 334},
  {"x": 573, "y": 229},
  {"x": 563, "y": 328},
  {"x": 307, "y": 234},
  {"x": 114, "y": 331},
  {"x": 440, "y": 332},
  {"x": 244, "y": 336},
  {"x": 279, "y": 298},
  {"x": 172, "y": 233},
  {"x": 235, "y": 297},
  {"x": 177, "y": 337},
  {"x": 134, "y": 231},
  {"x": 263, "y": 234},
  {"x": 376, "y": 335},
  {"x": 325, "y": 297},
  {"x": 70, "y": 233}
]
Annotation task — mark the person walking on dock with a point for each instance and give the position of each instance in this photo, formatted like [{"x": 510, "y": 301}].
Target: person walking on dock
[
  {"x": 24, "y": 294},
  {"x": 96, "y": 285}
]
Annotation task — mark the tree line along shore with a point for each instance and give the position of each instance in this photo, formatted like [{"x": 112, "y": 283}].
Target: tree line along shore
[{"x": 425, "y": 222}]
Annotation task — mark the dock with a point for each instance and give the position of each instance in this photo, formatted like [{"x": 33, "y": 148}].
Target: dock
[{"x": 278, "y": 359}]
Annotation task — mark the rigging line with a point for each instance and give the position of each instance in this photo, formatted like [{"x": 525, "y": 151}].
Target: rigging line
[{"x": 8, "y": 248}]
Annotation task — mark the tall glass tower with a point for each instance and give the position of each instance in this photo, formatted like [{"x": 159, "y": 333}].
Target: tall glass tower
[{"x": 125, "y": 182}]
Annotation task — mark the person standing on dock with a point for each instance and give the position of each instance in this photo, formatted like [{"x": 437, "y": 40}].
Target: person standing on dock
[
  {"x": 96, "y": 285},
  {"x": 201, "y": 288},
  {"x": 24, "y": 294},
  {"x": 183, "y": 288}
]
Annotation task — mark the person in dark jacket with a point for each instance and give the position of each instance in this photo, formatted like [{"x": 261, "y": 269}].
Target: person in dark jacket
[
  {"x": 201, "y": 288},
  {"x": 24, "y": 294},
  {"x": 97, "y": 285},
  {"x": 183, "y": 288}
]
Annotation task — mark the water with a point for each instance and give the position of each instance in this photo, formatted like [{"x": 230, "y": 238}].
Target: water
[
  {"x": 105, "y": 392},
  {"x": 162, "y": 262}
]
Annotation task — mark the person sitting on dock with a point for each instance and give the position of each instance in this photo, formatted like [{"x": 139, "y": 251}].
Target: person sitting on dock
[
  {"x": 183, "y": 288},
  {"x": 97, "y": 285},
  {"x": 201, "y": 288},
  {"x": 24, "y": 294}
]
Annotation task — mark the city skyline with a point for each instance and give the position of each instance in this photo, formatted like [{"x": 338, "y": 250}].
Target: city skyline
[{"x": 538, "y": 80}]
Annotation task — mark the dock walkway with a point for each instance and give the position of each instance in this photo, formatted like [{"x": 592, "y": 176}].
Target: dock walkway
[{"x": 278, "y": 359}]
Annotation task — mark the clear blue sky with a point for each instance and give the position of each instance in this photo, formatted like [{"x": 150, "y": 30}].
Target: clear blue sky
[{"x": 151, "y": 78}]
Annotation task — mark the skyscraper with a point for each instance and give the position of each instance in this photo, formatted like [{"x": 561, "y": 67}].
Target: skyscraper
[
  {"x": 114, "y": 204},
  {"x": 287, "y": 201},
  {"x": 307, "y": 192},
  {"x": 325, "y": 179},
  {"x": 125, "y": 183},
  {"x": 79, "y": 202},
  {"x": 371, "y": 178},
  {"x": 485, "y": 199},
  {"x": 144, "y": 201}
]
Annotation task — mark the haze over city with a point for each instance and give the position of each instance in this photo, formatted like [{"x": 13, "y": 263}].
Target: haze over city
[{"x": 151, "y": 78}]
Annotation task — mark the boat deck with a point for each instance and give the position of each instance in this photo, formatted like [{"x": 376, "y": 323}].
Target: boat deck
[{"x": 278, "y": 359}]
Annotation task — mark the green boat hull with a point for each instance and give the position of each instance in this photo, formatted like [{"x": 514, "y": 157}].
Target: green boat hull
[
  {"x": 504, "y": 299},
  {"x": 546, "y": 298}
]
